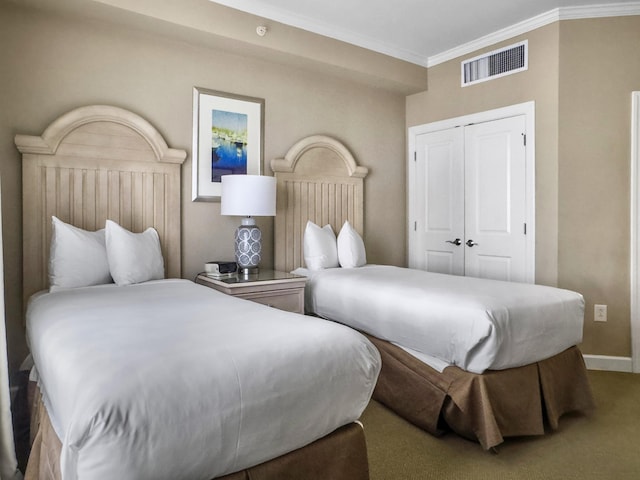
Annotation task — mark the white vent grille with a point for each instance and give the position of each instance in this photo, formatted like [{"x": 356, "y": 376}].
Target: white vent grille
[{"x": 497, "y": 63}]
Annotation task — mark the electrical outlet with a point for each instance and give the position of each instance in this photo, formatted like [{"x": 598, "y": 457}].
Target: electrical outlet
[{"x": 599, "y": 313}]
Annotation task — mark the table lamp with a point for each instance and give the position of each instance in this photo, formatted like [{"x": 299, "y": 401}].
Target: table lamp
[{"x": 248, "y": 196}]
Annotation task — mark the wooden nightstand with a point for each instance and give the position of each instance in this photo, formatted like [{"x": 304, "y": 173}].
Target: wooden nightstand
[{"x": 275, "y": 289}]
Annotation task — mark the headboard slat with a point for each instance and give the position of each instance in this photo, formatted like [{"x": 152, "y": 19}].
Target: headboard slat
[{"x": 317, "y": 180}]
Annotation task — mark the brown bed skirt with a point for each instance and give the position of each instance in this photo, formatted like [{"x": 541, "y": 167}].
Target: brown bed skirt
[
  {"x": 341, "y": 455},
  {"x": 487, "y": 407}
]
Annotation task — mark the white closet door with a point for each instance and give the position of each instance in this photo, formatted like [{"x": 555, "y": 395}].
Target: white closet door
[
  {"x": 440, "y": 181},
  {"x": 469, "y": 196},
  {"x": 495, "y": 200}
]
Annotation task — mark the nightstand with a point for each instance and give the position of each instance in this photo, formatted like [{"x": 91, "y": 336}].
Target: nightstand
[{"x": 276, "y": 289}]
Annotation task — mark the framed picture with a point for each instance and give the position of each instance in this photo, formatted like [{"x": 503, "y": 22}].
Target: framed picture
[{"x": 227, "y": 139}]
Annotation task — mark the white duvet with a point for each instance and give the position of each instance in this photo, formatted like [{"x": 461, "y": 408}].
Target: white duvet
[
  {"x": 171, "y": 380},
  {"x": 475, "y": 324}
]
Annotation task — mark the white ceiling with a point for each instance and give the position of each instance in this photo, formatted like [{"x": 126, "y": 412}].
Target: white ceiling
[{"x": 424, "y": 31}]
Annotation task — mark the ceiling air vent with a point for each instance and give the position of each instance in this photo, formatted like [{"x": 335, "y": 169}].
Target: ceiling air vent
[{"x": 505, "y": 61}]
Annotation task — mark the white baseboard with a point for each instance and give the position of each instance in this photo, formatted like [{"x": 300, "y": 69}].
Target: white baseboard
[{"x": 608, "y": 363}]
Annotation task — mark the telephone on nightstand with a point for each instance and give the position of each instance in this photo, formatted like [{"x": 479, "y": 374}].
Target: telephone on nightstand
[{"x": 218, "y": 268}]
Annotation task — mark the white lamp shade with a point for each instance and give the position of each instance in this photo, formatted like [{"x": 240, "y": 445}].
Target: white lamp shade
[{"x": 248, "y": 195}]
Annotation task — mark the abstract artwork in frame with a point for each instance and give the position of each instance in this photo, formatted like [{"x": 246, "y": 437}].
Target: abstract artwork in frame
[{"x": 227, "y": 139}]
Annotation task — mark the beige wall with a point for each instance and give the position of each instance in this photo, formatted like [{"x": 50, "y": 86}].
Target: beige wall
[
  {"x": 52, "y": 64},
  {"x": 581, "y": 75},
  {"x": 600, "y": 67}
]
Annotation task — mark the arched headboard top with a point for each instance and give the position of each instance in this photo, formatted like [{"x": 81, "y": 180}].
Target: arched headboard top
[
  {"x": 96, "y": 163},
  {"x": 51, "y": 139},
  {"x": 317, "y": 180},
  {"x": 302, "y": 158}
]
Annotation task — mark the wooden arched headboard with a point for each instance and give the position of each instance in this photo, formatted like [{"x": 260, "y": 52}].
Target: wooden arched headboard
[
  {"x": 317, "y": 180},
  {"x": 96, "y": 163}
]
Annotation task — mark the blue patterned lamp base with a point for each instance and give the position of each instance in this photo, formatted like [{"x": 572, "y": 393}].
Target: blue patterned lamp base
[{"x": 248, "y": 247}]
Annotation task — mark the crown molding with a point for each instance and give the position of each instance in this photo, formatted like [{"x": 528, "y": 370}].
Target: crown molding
[
  {"x": 555, "y": 15},
  {"x": 498, "y": 36},
  {"x": 261, "y": 9},
  {"x": 600, "y": 11}
]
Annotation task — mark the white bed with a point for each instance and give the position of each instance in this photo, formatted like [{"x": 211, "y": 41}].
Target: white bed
[
  {"x": 443, "y": 320},
  {"x": 486, "y": 359},
  {"x": 163, "y": 368},
  {"x": 160, "y": 378}
]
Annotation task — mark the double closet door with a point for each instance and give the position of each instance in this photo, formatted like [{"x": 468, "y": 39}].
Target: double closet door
[{"x": 470, "y": 200}]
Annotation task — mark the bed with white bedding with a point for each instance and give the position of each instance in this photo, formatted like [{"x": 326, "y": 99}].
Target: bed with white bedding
[
  {"x": 164, "y": 368},
  {"x": 475, "y": 324},
  {"x": 154, "y": 378},
  {"x": 486, "y": 359}
]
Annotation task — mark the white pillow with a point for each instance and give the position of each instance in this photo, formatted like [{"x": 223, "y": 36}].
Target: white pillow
[
  {"x": 133, "y": 257},
  {"x": 351, "y": 252},
  {"x": 77, "y": 257},
  {"x": 320, "y": 249}
]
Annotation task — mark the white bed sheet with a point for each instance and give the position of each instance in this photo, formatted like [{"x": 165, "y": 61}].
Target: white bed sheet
[
  {"x": 170, "y": 379},
  {"x": 475, "y": 324}
]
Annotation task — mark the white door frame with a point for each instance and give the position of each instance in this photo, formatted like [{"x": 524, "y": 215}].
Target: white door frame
[
  {"x": 635, "y": 233},
  {"x": 528, "y": 110}
]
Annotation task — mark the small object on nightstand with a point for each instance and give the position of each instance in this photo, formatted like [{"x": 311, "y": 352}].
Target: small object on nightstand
[
  {"x": 218, "y": 267},
  {"x": 220, "y": 276}
]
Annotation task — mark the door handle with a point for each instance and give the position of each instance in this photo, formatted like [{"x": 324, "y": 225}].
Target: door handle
[
  {"x": 471, "y": 243},
  {"x": 457, "y": 241}
]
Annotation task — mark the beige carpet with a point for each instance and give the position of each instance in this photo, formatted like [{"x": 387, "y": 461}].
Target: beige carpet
[{"x": 605, "y": 445}]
